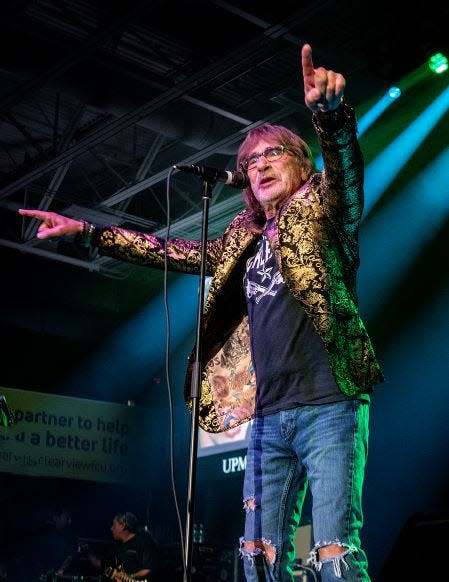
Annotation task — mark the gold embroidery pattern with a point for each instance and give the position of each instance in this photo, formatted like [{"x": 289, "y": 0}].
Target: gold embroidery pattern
[{"x": 148, "y": 250}]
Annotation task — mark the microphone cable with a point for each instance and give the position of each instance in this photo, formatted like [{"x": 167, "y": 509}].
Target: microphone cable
[{"x": 167, "y": 367}]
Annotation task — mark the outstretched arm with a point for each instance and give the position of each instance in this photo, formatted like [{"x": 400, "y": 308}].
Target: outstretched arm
[
  {"x": 323, "y": 88},
  {"x": 127, "y": 245}
]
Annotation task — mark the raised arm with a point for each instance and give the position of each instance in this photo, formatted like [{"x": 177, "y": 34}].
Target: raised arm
[{"x": 335, "y": 124}]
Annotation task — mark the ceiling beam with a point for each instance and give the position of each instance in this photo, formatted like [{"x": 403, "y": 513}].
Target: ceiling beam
[{"x": 240, "y": 59}]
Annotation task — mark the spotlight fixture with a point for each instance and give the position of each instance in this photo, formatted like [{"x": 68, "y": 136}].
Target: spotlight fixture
[
  {"x": 394, "y": 92},
  {"x": 438, "y": 63}
]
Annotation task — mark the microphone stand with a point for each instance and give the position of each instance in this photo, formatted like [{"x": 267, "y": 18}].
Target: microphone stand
[{"x": 208, "y": 180}]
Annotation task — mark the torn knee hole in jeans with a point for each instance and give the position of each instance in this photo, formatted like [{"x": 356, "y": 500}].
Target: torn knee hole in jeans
[
  {"x": 252, "y": 548},
  {"x": 337, "y": 558}
]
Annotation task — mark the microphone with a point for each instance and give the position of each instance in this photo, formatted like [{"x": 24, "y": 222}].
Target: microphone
[
  {"x": 6, "y": 416},
  {"x": 235, "y": 179}
]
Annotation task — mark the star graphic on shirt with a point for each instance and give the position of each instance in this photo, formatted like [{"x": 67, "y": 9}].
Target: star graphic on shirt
[{"x": 265, "y": 273}]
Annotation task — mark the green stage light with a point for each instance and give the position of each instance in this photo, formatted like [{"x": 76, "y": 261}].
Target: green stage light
[{"x": 438, "y": 63}]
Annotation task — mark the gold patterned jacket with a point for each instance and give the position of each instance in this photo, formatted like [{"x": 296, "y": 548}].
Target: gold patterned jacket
[{"x": 316, "y": 246}]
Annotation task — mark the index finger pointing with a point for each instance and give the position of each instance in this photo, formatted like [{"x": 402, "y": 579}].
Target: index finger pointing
[
  {"x": 41, "y": 214},
  {"x": 307, "y": 64}
]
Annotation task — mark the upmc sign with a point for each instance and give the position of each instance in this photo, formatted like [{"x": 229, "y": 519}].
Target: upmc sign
[
  {"x": 222, "y": 467},
  {"x": 233, "y": 464}
]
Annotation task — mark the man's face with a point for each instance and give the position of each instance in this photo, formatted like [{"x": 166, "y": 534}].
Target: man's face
[
  {"x": 117, "y": 529},
  {"x": 272, "y": 182}
]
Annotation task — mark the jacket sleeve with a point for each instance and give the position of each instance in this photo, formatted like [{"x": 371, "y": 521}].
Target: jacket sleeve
[
  {"x": 343, "y": 174},
  {"x": 149, "y": 250}
]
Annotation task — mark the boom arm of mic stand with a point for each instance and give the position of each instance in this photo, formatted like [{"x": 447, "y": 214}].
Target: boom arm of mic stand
[{"x": 196, "y": 386}]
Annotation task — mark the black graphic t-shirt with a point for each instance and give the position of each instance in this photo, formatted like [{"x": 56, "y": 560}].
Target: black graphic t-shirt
[{"x": 289, "y": 357}]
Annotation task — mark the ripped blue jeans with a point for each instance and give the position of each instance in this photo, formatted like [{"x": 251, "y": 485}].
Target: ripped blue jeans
[{"x": 323, "y": 447}]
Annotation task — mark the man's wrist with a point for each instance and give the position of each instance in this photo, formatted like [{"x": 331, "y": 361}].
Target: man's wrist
[
  {"x": 333, "y": 119},
  {"x": 87, "y": 232}
]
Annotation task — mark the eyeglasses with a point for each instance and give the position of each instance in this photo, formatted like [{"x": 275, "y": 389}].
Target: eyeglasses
[{"x": 271, "y": 154}]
